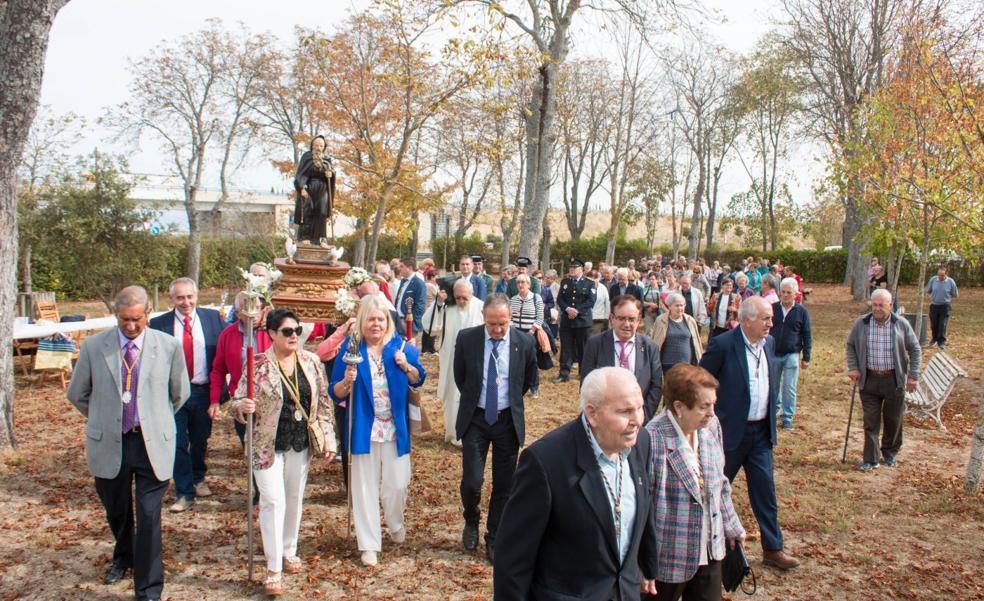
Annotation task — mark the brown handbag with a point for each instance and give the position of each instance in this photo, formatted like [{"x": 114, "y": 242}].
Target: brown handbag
[
  {"x": 316, "y": 437},
  {"x": 423, "y": 424}
]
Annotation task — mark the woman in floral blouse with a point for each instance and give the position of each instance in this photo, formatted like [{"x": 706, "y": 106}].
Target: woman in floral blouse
[
  {"x": 380, "y": 446},
  {"x": 290, "y": 389}
]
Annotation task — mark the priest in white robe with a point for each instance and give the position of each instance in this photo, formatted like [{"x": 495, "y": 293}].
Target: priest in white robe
[{"x": 449, "y": 319}]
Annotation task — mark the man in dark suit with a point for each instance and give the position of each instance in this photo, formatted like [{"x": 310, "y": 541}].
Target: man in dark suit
[
  {"x": 624, "y": 347},
  {"x": 198, "y": 331},
  {"x": 412, "y": 289},
  {"x": 128, "y": 383},
  {"x": 578, "y": 524},
  {"x": 494, "y": 366},
  {"x": 743, "y": 360},
  {"x": 576, "y": 299},
  {"x": 622, "y": 285}
]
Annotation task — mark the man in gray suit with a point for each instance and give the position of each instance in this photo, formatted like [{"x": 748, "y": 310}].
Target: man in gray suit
[{"x": 129, "y": 382}]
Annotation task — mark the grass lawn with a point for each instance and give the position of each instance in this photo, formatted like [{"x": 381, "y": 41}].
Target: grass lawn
[{"x": 907, "y": 533}]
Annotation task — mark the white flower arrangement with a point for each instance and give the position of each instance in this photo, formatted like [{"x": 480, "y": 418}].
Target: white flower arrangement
[
  {"x": 346, "y": 303},
  {"x": 356, "y": 276},
  {"x": 262, "y": 285}
]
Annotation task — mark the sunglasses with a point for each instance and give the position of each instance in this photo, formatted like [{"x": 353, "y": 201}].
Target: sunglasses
[{"x": 287, "y": 332}]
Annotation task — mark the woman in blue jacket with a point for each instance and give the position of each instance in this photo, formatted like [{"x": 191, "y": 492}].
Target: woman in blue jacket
[{"x": 378, "y": 388}]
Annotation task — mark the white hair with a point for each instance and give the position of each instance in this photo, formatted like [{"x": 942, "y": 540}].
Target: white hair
[
  {"x": 673, "y": 298},
  {"x": 599, "y": 381},
  {"x": 622, "y": 271},
  {"x": 741, "y": 276},
  {"x": 463, "y": 284},
  {"x": 189, "y": 281},
  {"x": 685, "y": 276},
  {"x": 883, "y": 293},
  {"x": 789, "y": 283},
  {"x": 750, "y": 308}
]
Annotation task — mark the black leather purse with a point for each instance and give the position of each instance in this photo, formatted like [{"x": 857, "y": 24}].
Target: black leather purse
[{"x": 735, "y": 569}]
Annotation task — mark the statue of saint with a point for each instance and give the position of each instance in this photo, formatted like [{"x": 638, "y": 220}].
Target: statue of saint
[{"x": 314, "y": 184}]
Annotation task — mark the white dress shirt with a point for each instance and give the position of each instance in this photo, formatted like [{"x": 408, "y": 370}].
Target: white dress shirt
[
  {"x": 758, "y": 379},
  {"x": 201, "y": 375},
  {"x": 501, "y": 366}
]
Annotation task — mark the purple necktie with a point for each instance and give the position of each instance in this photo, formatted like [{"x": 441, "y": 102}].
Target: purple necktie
[
  {"x": 623, "y": 357},
  {"x": 130, "y": 416}
]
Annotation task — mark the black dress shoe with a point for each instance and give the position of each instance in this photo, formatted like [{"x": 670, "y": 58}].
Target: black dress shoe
[
  {"x": 560, "y": 379},
  {"x": 490, "y": 552},
  {"x": 115, "y": 573},
  {"x": 469, "y": 538}
]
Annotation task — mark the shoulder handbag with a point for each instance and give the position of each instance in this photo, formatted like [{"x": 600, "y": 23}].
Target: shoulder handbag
[
  {"x": 416, "y": 416},
  {"x": 316, "y": 438},
  {"x": 735, "y": 569}
]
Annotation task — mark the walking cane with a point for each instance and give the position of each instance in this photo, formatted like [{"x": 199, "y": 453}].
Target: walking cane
[
  {"x": 352, "y": 357},
  {"x": 249, "y": 439},
  {"x": 850, "y": 415},
  {"x": 409, "y": 304}
]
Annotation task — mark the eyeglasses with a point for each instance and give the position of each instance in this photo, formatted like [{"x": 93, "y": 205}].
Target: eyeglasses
[
  {"x": 621, "y": 319},
  {"x": 287, "y": 332}
]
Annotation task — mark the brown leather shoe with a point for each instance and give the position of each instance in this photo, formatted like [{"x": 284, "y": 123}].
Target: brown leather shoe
[{"x": 779, "y": 559}]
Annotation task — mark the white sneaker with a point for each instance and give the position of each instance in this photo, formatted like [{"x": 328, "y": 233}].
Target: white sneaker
[
  {"x": 182, "y": 505},
  {"x": 202, "y": 490},
  {"x": 399, "y": 536},
  {"x": 369, "y": 558}
]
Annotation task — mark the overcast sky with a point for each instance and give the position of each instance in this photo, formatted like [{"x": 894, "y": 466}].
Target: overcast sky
[{"x": 92, "y": 42}]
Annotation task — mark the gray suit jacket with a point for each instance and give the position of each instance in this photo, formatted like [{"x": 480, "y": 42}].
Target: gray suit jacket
[{"x": 162, "y": 388}]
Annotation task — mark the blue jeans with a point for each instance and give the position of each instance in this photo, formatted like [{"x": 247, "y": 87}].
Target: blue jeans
[
  {"x": 788, "y": 375},
  {"x": 194, "y": 427}
]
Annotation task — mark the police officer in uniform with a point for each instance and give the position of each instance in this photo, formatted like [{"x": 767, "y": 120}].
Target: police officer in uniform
[
  {"x": 478, "y": 268},
  {"x": 522, "y": 266},
  {"x": 576, "y": 299}
]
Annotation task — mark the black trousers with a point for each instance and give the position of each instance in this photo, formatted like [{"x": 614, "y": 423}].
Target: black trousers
[
  {"x": 571, "y": 348},
  {"x": 474, "y": 450},
  {"x": 882, "y": 401},
  {"x": 704, "y": 586},
  {"x": 143, "y": 551},
  {"x": 939, "y": 317}
]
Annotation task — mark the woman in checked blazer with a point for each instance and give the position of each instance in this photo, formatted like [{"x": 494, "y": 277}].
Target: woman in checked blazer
[{"x": 691, "y": 498}]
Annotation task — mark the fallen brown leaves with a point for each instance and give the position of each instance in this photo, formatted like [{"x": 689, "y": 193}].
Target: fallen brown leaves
[{"x": 908, "y": 533}]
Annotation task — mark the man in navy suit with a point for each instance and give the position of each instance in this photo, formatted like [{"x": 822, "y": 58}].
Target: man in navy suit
[
  {"x": 494, "y": 366},
  {"x": 198, "y": 332},
  {"x": 411, "y": 289},
  {"x": 622, "y": 285},
  {"x": 744, "y": 362}
]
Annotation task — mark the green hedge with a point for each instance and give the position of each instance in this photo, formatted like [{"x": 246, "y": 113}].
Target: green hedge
[{"x": 220, "y": 259}]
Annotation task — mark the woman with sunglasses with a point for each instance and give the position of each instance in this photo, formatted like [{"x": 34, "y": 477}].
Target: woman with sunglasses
[
  {"x": 378, "y": 389},
  {"x": 290, "y": 389}
]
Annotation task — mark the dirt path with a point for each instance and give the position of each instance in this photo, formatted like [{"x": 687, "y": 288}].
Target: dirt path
[{"x": 908, "y": 533}]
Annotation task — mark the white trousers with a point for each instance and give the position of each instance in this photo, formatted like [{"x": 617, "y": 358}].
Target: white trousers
[
  {"x": 281, "y": 500},
  {"x": 378, "y": 475}
]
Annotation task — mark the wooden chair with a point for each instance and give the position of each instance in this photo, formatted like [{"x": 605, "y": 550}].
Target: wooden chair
[
  {"x": 935, "y": 385},
  {"x": 47, "y": 310}
]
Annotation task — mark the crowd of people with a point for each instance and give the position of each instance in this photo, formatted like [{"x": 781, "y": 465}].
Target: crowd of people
[{"x": 686, "y": 372}]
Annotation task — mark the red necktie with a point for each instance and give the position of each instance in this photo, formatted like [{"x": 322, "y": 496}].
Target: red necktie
[{"x": 189, "y": 347}]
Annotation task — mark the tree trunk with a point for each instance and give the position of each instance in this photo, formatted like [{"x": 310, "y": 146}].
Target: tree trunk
[
  {"x": 923, "y": 265},
  {"x": 415, "y": 236},
  {"x": 377, "y": 224},
  {"x": 712, "y": 209},
  {"x": 545, "y": 251},
  {"x": 695, "y": 217},
  {"x": 359, "y": 252},
  {"x": 610, "y": 249},
  {"x": 856, "y": 272},
  {"x": 193, "y": 263},
  {"x": 26, "y": 270},
  {"x": 976, "y": 448},
  {"x": 24, "y": 29}
]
